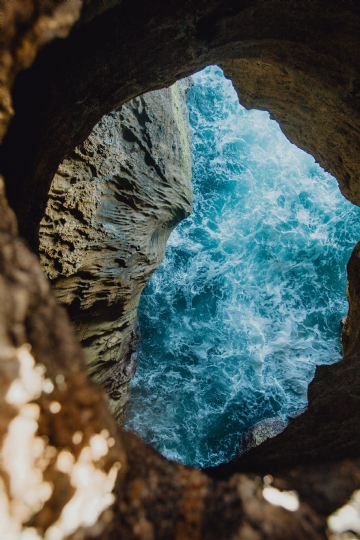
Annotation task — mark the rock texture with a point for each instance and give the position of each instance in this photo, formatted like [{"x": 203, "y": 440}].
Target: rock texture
[
  {"x": 65, "y": 469},
  {"x": 112, "y": 205},
  {"x": 25, "y": 28},
  {"x": 299, "y": 60},
  {"x": 308, "y": 52},
  {"x": 257, "y": 434},
  {"x": 50, "y": 412}
]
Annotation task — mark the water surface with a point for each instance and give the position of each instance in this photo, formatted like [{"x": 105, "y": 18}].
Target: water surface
[{"x": 250, "y": 296}]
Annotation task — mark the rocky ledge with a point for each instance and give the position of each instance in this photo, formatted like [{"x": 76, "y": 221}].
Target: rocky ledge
[{"x": 299, "y": 60}]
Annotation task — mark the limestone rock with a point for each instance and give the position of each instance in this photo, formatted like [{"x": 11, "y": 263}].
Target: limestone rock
[
  {"x": 131, "y": 48},
  {"x": 257, "y": 434},
  {"x": 111, "y": 208},
  {"x": 298, "y": 60},
  {"x": 52, "y": 418},
  {"x": 25, "y": 28}
]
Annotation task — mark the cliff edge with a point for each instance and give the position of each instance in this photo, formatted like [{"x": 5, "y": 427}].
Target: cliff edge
[{"x": 112, "y": 206}]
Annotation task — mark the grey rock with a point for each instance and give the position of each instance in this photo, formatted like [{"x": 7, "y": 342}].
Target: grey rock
[
  {"x": 112, "y": 206},
  {"x": 257, "y": 434}
]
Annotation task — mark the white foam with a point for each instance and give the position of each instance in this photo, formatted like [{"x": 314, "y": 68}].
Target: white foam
[{"x": 252, "y": 289}]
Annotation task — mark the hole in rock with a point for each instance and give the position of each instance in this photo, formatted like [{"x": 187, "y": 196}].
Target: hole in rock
[{"x": 252, "y": 289}]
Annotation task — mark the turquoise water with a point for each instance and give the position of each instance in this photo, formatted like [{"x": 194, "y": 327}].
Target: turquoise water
[{"x": 250, "y": 296}]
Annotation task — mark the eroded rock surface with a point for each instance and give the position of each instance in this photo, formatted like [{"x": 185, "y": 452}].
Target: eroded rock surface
[
  {"x": 25, "y": 28},
  {"x": 257, "y": 434},
  {"x": 155, "y": 498},
  {"x": 53, "y": 420},
  {"x": 112, "y": 205},
  {"x": 299, "y": 60}
]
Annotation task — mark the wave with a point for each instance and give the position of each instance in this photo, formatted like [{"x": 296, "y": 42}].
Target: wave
[{"x": 252, "y": 289}]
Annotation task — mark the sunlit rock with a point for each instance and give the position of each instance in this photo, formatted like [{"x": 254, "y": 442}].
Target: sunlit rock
[{"x": 111, "y": 208}]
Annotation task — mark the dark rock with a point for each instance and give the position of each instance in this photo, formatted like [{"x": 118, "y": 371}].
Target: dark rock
[
  {"x": 257, "y": 434},
  {"x": 350, "y": 336},
  {"x": 300, "y": 60}
]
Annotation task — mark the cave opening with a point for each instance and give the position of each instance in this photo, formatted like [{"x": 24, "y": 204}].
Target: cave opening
[
  {"x": 66, "y": 65},
  {"x": 252, "y": 290}
]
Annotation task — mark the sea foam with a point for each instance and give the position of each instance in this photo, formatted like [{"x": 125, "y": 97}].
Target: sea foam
[{"x": 250, "y": 296}]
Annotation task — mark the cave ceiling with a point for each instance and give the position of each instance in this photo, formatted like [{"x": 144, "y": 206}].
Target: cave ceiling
[{"x": 297, "y": 59}]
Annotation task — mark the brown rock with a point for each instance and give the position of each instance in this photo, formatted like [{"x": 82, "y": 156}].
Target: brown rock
[
  {"x": 311, "y": 50},
  {"x": 112, "y": 205},
  {"x": 299, "y": 60}
]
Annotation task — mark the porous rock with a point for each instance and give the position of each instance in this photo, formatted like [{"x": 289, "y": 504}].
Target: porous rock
[
  {"x": 135, "y": 46},
  {"x": 45, "y": 397},
  {"x": 112, "y": 205}
]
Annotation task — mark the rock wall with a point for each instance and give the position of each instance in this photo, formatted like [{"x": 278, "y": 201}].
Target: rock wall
[
  {"x": 297, "y": 59},
  {"x": 112, "y": 205},
  {"x": 350, "y": 335},
  {"x": 50, "y": 413},
  {"x": 25, "y": 28},
  {"x": 117, "y": 50},
  {"x": 66, "y": 470}
]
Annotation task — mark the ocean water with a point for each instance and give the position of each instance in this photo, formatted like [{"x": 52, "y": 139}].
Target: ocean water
[{"x": 250, "y": 296}]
